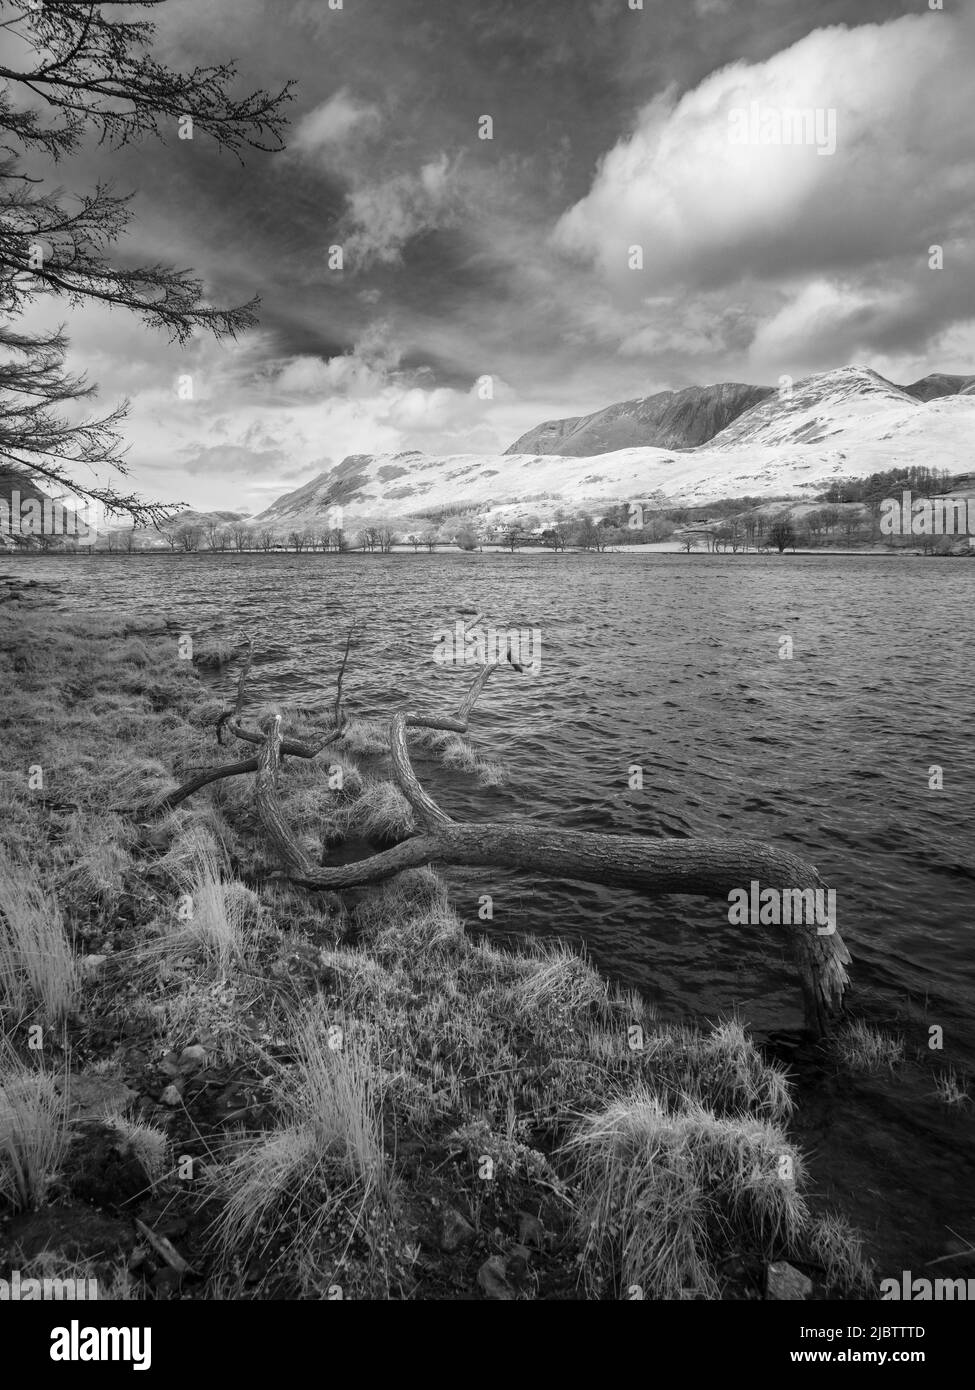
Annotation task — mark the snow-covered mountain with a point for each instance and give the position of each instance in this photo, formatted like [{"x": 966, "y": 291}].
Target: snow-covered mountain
[
  {"x": 667, "y": 420},
  {"x": 841, "y": 423}
]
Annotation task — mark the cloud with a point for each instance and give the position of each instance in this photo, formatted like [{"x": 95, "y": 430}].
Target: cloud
[
  {"x": 384, "y": 216},
  {"x": 334, "y": 123},
  {"x": 232, "y": 458},
  {"x": 708, "y": 212}
]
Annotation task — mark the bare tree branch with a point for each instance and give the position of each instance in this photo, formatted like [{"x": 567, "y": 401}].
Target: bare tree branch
[{"x": 700, "y": 867}]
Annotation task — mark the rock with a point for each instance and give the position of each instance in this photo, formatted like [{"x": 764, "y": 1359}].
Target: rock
[
  {"x": 90, "y": 965},
  {"x": 783, "y": 1282},
  {"x": 192, "y": 1059},
  {"x": 170, "y": 1096},
  {"x": 455, "y": 1231},
  {"x": 516, "y": 1263},
  {"x": 96, "y": 1095},
  {"x": 531, "y": 1232},
  {"x": 152, "y": 837},
  {"x": 493, "y": 1280}
]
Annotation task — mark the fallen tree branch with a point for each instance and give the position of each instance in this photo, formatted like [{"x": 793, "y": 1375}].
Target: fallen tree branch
[
  {"x": 231, "y": 718},
  {"x": 699, "y": 867}
]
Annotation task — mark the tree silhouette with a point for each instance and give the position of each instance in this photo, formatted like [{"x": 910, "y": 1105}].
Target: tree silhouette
[{"x": 91, "y": 71}]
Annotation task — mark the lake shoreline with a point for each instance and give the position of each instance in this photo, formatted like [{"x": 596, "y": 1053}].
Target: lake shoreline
[{"x": 442, "y": 1107}]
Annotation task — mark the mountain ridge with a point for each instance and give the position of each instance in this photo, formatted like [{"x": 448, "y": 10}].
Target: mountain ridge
[
  {"x": 682, "y": 419},
  {"x": 847, "y": 422}
]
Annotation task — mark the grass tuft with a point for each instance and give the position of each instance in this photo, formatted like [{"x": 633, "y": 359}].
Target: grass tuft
[
  {"x": 33, "y": 1132},
  {"x": 38, "y": 972},
  {"x": 657, "y": 1185}
]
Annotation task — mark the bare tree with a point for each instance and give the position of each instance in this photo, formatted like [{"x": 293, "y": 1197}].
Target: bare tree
[
  {"x": 215, "y": 535},
  {"x": 87, "y": 69},
  {"x": 513, "y": 537},
  {"x": 267, "y": 540},
  {"x": 189, "y": 538},
  {"x": 781, "y": 533},
  {"x": 240, "y": 535}
]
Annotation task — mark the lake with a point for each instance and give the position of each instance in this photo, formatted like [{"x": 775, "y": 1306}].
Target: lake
[{"x": 678, "y": 664}]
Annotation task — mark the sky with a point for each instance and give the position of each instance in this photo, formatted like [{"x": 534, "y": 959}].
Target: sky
[{"x": 491, "y": 284}]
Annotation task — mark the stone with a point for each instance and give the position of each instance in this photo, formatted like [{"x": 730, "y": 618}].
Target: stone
[
  {"x": 192, "y": 1059},
  {"x": 96, "y": 1095},
  {"x": 530, "y": 1231},
  {"x": 492, "y": 1279},
  {"x": 170, "y": 1096},
  {"x": 455, "y": 1231},
  {"x": 783, "y": 1282},
  {"x": 516, "y": 1263}
]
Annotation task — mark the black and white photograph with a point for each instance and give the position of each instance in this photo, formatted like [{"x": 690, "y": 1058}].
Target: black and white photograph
[{"x": 487, "y": 547}]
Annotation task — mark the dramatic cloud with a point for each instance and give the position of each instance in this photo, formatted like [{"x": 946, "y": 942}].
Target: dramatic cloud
[
  {"x": 508, "y": 259},
  {"x": 707, "y": 210}
]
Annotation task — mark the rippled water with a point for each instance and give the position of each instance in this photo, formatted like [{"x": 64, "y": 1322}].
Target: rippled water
[{"x": 672, "y": 662}]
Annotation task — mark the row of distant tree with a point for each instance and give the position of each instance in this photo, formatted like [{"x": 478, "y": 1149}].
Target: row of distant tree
[
  {"x": 468, "y": 533},
  {"x": 732, "y": 524}
]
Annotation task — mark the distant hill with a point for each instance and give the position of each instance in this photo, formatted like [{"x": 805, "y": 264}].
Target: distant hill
[
  {"x": 937, "y": 384},
  {"x": 153, "y": 539},
  {"x": 668, "y": 420},
  {"x": 683, "y": 419},
  {"x": 850, "y": 422}
]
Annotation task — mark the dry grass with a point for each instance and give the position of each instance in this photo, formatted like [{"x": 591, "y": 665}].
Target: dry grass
[
  {"x": 148, "y": 1145},
  {"x": 382, "y": 812},
  {"x": 950, "y": 1089},
  {"x": 322, "y": 1167},
  {"x": 215, "y": 914},
  {"x": 862, "y": 1048},
  {"x": 38, "y": 973},
  {"x": 33, "y": 1132},
  {"x": 838, "y": 1249},
  {"x": 660, "y": 1187}
]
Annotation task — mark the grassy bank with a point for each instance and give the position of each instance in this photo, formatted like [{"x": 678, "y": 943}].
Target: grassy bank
[{"x": 215, "y": 1085}]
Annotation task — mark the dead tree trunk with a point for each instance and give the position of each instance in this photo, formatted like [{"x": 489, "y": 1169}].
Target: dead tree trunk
[{"x": 699, "y": 867}]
